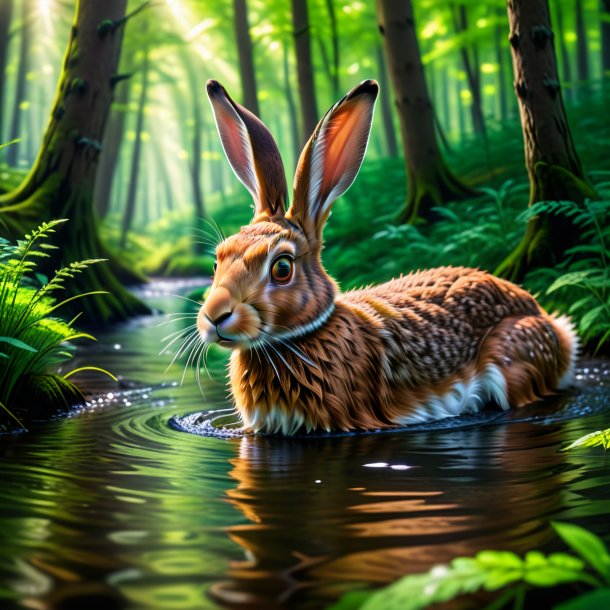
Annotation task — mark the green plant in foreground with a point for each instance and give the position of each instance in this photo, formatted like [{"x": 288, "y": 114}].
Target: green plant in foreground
[
  {"x": 33, "y": 340},
  {"x": 594, "y": 439},
  {"x": 495, "y": 570}
]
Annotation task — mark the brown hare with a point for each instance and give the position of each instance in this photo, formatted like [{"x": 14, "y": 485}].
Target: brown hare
[{"x": 306, "y": 356}]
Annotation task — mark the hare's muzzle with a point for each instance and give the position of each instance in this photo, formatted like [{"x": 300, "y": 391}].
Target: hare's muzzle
[{"x": 228, "y": 322}]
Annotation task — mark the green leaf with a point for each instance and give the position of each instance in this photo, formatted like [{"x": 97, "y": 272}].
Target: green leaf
[
  {"x": 591, "y": 317},
  {"x": 594, "y": 439},
  {"x": 589, "y": 546},
  {"x": 594, "y": 600},
  {"x": 574, "y": 278},
  {"x": 18, "y": 344}
]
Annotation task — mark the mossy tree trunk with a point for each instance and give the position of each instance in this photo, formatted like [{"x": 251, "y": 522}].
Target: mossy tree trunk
[
  {"x": 429, "y": 180},
  {"x": 307, "y": 92},
  {"x": 62, "y": 179},
  {"x": 553, "y": 165}
]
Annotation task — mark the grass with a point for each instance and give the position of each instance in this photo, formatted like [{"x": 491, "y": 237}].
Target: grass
[{"x": 34, "y": 340}]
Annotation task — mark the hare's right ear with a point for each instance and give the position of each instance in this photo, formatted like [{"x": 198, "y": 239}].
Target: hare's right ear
[
  {"x": 332, "y": 158},
  {"x": 251, "y": 151}
]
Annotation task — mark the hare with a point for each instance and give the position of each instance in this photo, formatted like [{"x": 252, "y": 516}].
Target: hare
[{"x": 425, "y": 346}]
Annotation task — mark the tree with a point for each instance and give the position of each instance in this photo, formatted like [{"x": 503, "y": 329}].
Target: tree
[
  {"x": 134, "y": 174},
  {"x": 471, "y": 67},
  {"x": 582, "y": 55},
  {"x": 565, "y": 56},
  {"x": 109, "y": 157},
  {"x": 605, "y": 27},
  {"x": 246, "y": 61},
  {"x": 20, "y": 86},
  {"x": 307, "y": 91},
  {"x": 196, "y": 145},
  {"x": 553, "y": 165},
  {"x": 62, "y": 179},
  {"x": 386, "y": 108},
  {"x": 501, "y": 52},
  {"x": 6, "y": 13},
  {"x": 429, "y": 180}
]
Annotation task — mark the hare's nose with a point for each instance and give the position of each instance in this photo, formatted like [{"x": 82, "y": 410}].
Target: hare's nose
[{"x": 218, "y": 305}]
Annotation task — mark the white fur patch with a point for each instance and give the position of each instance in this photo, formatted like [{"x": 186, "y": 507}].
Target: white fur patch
[
  {"x": 466, "y": 396},
  {"x": 566, "y": 328},
  {"x": 305, "y": 329},
  {"x": 275, "y": 421}
]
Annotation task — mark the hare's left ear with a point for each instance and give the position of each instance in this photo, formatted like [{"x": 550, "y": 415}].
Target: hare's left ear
[
  {"x": 332, "y": 158},
  {"x": 251, "y": 151}
]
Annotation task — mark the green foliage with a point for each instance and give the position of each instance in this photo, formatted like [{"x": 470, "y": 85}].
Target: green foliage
[
  {"x": 583, "y": 279},
  {"x": 594, "y": 439},
  {"x": 33, "y": 340},
  {"x": 495, "y": 570}
]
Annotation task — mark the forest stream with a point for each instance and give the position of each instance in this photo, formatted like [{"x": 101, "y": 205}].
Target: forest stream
[{"x": 114, "y": 508}]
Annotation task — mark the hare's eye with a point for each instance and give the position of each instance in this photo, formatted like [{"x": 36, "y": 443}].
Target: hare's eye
[
  {"x": 215, "y": 266},
  {"x": 282, "y": 269}
]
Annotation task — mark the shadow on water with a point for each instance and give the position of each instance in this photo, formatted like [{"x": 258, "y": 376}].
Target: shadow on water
[{"x": 114, "y": 509}]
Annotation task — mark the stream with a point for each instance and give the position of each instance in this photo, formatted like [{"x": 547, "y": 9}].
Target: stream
[{"x": 114, "y": 508}]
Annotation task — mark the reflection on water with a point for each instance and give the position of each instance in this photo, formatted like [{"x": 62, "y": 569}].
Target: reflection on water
[{"x": 113, "y": 508}]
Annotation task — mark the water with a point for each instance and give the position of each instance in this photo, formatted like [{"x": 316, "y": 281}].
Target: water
[{"x": 112, "y": 508}]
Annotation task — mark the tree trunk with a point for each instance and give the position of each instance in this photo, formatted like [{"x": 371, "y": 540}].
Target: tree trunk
[
  {"x": 605, "y": 32},
  {"x": 582, "y": 56},
  {"x": 386, "y": 108},
  {"x": 61, "y": 182},
  {"x": 196, "y": 149},
  {"x": 429, "y": 181},
  {"x": 20, "y": 86},
  {"x": 445, "y": 99},
  {"x": 334, "y": 36},
  {"x": 292, "y": 110},
  {"x": 568, "y": 83},
  {"x": 109, "y": 157},
  {"x": 6, "y": 13},
  {"x": 500, "y": 59},
  {"x": 471, "y": 67},
  {"x": 553, "y": 165},
  {"x": 134, "y": 174},
  {"x": 246, "y": 61},
  {"x": 307, "y": 92}
]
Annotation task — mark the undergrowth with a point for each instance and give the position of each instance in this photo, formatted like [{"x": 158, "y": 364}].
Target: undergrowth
[{"x": 34, "y": 340}]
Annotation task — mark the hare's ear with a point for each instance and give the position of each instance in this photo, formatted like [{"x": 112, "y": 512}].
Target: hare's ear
[
  {"x": 332, "y": 158},
  {"x": 252, "y": 152}
]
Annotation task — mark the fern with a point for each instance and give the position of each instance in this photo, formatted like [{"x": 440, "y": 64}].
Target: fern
[
  {"x": 33, "y": 341},
  {"x": 584, "y": 278}
]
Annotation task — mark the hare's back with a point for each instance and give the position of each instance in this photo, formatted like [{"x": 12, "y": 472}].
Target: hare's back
[
  {"x": 472, "y": 296},
  {"x": 433, "y": 321}
]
